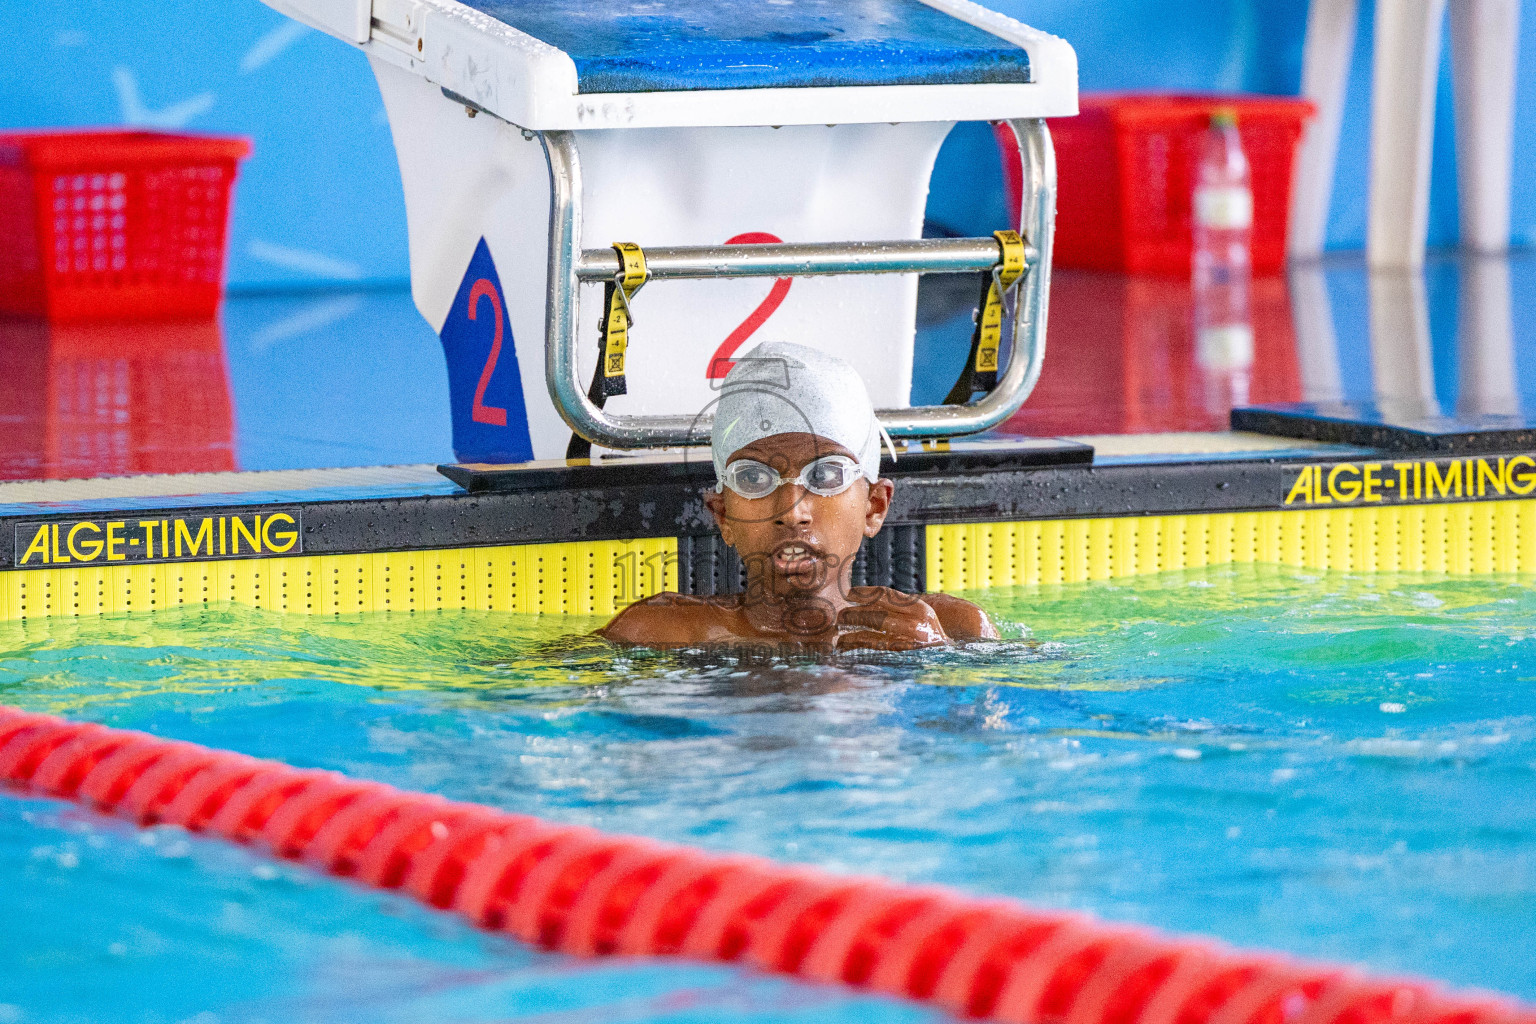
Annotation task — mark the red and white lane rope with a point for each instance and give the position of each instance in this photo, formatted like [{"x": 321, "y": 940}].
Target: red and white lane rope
[{"x": 585, "y": 892}]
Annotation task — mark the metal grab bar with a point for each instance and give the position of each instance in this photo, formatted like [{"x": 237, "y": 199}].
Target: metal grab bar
[
  {"x": 805, "y": 259},
  {"x": 569, "y": 265}
]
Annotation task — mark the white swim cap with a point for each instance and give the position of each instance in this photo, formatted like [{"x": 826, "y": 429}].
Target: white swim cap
[{"x": 783, "y": 388}]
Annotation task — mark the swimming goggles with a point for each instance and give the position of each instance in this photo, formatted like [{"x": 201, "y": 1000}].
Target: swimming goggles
[{"x": 826, "y": 476}]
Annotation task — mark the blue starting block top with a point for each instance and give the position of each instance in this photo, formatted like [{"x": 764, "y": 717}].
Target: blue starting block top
[{"x": 626, "y": 46}]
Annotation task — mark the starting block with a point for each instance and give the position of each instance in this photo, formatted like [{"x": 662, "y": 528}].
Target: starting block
[{"x": 698, "y": 147}]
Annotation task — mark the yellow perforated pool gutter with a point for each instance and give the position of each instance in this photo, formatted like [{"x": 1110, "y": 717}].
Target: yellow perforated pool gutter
[{"x": 586, "y": 538}]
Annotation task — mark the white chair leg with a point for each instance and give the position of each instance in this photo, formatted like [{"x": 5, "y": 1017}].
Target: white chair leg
[
  {"x": 1489, "y": 385},
  {"x": 1324, "y": 75},
  {"x": 1402, "y": 367},
  {"x": 1317, "y": 343},
  {"x": 1484, "y": 40},
  {"x": 1407, "y": 58}
]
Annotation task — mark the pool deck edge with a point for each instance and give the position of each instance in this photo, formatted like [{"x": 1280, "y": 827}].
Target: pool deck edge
[{"x": 403, "y": 538}]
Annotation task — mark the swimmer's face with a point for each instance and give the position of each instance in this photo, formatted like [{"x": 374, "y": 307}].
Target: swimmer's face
[{"x": 793, "y": 539}]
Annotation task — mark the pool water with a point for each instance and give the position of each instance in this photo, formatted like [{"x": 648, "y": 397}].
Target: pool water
[{"x": 1334, "y": 765}]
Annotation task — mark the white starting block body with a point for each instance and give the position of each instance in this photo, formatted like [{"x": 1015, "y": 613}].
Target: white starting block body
[{"x": 694, "y": 123}]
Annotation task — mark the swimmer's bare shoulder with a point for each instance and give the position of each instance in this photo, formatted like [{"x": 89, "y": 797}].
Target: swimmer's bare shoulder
[
  {"x": 884, "y": 619},
  {"x": 961, "y": 621},
  {"x": 672, "y": 620}
]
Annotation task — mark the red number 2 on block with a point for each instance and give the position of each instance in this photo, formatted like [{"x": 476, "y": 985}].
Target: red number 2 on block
[
  {"x": 721, "y": 362},
  {"x": 480, "y": 412}
]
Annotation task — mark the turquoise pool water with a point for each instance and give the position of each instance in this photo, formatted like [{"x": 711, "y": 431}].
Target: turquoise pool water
[{"x": 1338, "y": 766}]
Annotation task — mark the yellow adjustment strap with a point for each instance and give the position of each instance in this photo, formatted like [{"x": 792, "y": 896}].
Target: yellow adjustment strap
[
  {"x": 628, "y": 281},
  {"x": 1004, "y": 276}
]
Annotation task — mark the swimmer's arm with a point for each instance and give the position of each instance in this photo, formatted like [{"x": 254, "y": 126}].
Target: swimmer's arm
[
  {"x": 661, "y": 620},
  {"x": 886, "y": 620},
  {"x": 962, "y": 620}
]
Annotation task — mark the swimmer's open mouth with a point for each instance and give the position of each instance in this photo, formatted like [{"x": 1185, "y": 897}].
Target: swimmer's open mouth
[{"x": 795, "y": 556}]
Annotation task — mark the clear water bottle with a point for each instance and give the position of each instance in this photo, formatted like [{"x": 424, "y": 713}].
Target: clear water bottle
[{"x": 1222, "y": 266}]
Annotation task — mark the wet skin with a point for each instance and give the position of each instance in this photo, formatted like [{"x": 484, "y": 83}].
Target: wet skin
[{"x": 799, "y": 550}]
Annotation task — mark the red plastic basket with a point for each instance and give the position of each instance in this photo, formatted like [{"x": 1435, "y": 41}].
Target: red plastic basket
[
  {"x": 1125, "y": 177},
  {"x": 114, "y": 225}
]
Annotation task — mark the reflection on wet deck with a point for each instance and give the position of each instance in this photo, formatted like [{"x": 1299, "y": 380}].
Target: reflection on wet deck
[
  {"x": 1123, "y": 360},
  {"x": 301, "y": 381},
  {"x": 295, "y": 381},
  {"x": 86, "y": 400},
  {"x": 1456, "y": 340}
]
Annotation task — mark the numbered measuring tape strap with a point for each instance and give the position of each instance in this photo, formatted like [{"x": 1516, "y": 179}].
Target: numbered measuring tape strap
[
  {"x": 989, "y": 323},
  {"x": 1011, "y": 267},
  {"x": 617, "y": 318}
]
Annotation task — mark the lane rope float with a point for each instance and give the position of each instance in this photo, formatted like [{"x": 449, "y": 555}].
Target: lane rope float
[{"x": 580, "y": 891}]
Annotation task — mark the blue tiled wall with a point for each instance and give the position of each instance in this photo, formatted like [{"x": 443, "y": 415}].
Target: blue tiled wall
[{"x": 319, "y": 202}]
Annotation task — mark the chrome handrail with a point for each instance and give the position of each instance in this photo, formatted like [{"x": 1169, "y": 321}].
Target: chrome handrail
[
  {"x": 803, "y": 259},
  {"x": 570, "y": 265}
]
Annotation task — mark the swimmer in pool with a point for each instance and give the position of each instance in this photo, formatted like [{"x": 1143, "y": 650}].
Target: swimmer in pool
[{"x": 796, "y": 450}]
